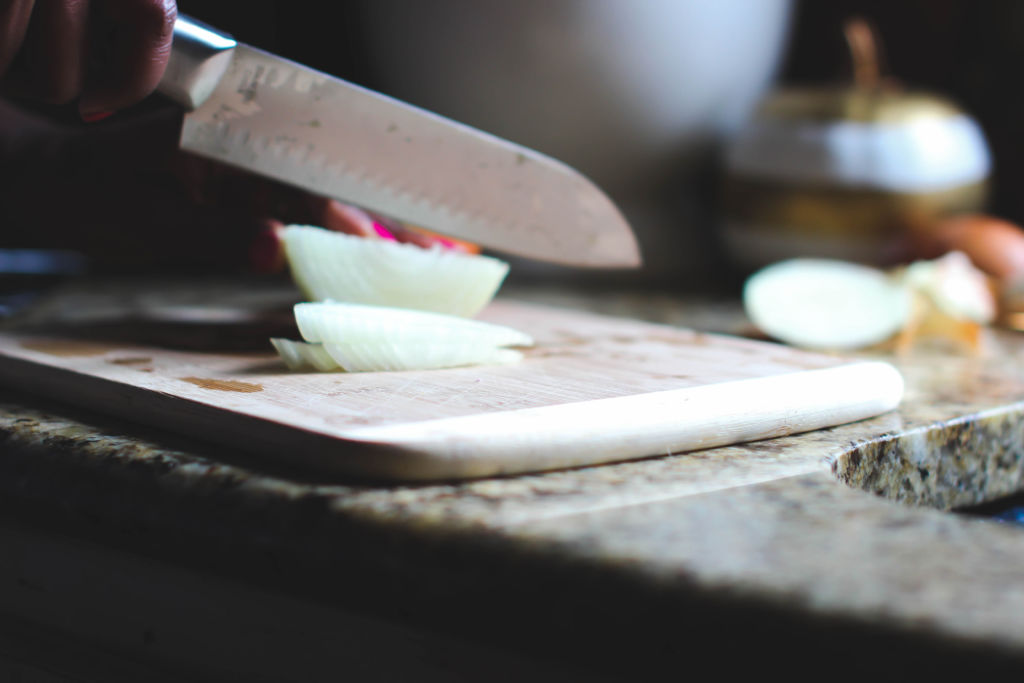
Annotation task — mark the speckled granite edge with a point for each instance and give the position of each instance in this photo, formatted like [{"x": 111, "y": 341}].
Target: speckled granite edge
[{"x": 959, "y": 463}]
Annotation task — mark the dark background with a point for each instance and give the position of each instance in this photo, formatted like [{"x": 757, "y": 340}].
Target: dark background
[{"x": 972, "y": 52}]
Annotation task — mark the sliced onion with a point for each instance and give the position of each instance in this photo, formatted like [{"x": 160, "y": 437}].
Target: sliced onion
[
  {"x": 825, "y": 304},
  {"x": 364, "y": 357},
  {"x": 334, "y": 322},
  {"x": 361, "y": 338},
  {"x": 303, "y": 356},
  {"x": 332, "y": 265}
]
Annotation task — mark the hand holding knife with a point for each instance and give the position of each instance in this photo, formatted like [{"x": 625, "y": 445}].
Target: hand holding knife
[{"x": 289, "y": 123}]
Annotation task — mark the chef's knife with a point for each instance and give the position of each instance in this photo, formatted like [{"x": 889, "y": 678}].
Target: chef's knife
[{"x": 286, "y": 121}]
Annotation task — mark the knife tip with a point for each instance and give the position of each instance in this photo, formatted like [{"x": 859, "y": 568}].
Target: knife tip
[{"x": 615, "y": 243}]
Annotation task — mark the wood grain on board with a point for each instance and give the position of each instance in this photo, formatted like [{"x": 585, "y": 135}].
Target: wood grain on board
[{"x": 594, "y": 389}]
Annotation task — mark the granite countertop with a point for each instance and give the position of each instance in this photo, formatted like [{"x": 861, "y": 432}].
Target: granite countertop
[{"x": 837, "y": 549}]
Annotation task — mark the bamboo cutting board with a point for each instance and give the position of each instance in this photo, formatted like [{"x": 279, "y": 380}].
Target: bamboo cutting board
[{"x": 594, "y": 389}]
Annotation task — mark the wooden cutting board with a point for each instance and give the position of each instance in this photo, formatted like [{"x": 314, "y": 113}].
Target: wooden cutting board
[{"x": 594, "y": 389}]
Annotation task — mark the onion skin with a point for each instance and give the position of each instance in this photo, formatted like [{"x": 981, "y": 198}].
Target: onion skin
[
  {"x": 267, "y": 253},
  {"x": 432, "y": 238},
  {"x": 994, "y": 245}
]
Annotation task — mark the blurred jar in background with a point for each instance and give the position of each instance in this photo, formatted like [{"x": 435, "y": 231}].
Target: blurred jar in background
[
  {"x": 861, "y": 171},
  {"x": 636, "y": 95},
  {"x": 854, "y": 173}
]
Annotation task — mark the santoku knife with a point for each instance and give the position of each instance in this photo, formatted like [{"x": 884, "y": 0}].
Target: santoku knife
[{"x": 286, "y": 121}]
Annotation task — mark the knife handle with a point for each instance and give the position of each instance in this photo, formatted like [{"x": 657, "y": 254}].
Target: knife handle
[{"x": 200, "y": 55}]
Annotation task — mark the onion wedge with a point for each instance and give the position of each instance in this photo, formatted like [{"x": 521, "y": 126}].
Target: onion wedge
[
  {"x": 361, "y": 338},
  {"x": 332, "y": 265},
  {"x": 392, "y": 356},
  {"x": 306, "y": 356},
  {"x": 343, "y": 323},
  {"x": 825, "y": 304},
  {"x": 303, "y": 356}
]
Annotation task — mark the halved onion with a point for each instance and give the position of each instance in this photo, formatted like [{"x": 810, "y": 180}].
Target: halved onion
[
  {"x": 826, "y": 304},
  {"x": 333, "y": 265}
]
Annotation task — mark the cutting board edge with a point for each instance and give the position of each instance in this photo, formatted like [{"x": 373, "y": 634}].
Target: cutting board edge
[
  {"x": 396, "y": 454},
  {"x": 515, "y": 442},
  {"x": 262, "y": 436}
]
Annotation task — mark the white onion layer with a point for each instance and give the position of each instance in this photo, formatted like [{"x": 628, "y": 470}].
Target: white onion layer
[
  {"x": 824, "y": 304},
  {"x": 361, "y": 338},
  {"x": 302, "y": 356},
  {"x": 335, "y": 322},
  {"x": 374, "y": 357},
  {"x": 305, "y": 356},
  {"x": 333, "y": 265}
]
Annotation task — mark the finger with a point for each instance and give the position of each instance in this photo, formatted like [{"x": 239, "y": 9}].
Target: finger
[
  {"x": 133, "y": 52},
  {"x": 266, "y": 251},
  {"x": 14, "y": 17},
  {"x": 51, "y": 64},
  {"x": 346, "y": 218}
]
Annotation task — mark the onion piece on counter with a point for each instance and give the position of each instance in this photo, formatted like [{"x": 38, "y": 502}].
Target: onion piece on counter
[
  {"x": 993, "y": 245},
  {"x": 826, "y": 304},
  {"x": 333, "y": 265},
  {"x": 303, "y": 356},
  {"x": 953, "y": 300},
  {"x": 362, "y": 338},
  {"x": 954, "y": 287}
]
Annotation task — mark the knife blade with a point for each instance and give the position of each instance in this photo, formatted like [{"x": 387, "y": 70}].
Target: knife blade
[{"x": 285, "y": 121}]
